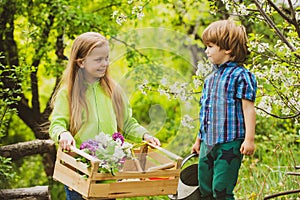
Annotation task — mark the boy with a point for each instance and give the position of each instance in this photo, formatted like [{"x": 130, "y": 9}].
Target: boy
[{"x": 227, "y": 115}]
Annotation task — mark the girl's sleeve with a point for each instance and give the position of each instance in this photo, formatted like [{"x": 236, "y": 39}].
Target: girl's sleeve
[
  {"x": 247, "y": 86},
  {"x": 60, "y": 116},
  {"x": 132, "y": 129}
]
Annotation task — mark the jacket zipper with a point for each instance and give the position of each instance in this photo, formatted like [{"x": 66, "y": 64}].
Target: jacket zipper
[{"x": 95, "y": 98}]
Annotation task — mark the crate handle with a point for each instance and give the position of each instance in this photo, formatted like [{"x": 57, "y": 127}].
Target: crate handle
[
  {"x": 162, "y": 167},
  {"x": 83, "y": 154},
  {"x": 170, "y": 154}
]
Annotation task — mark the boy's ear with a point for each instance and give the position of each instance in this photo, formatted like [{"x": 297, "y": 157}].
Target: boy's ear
[{"x": 228, "y": 51}]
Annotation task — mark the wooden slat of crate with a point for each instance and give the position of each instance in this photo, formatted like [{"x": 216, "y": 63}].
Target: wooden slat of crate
[
  {"x": 129, "y": 166},
  {"x": 73, "y": 162},
  {"x": 71, "y": 178},
  {"x": 134, "y": 188},
  {"x": 132, "y": 175},
  {"x": 90, "y": 187}
]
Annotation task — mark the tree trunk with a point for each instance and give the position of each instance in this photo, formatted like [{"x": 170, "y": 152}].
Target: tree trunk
[
  {"x": 19, "y": 150},
  {"x": 33, "y": 193}
]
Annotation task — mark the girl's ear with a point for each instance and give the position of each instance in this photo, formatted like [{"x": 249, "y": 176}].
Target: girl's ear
[
  {"x": 80, "y": 63},
  {"x": 228, "y": 51}
]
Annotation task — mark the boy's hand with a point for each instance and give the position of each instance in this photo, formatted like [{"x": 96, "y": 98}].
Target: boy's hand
[
  {"x": 66, "y": 140},
  {"x": 247, "y": 147},
  {"x": 196, "y": 146}
]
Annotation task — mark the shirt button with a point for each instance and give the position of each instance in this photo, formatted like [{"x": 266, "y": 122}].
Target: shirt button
[
  {"x": 208, "y": 122},
  {"x": 209, "y": 106}
]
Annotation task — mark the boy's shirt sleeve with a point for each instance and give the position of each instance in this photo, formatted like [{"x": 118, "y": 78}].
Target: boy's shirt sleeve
[
  {"x": 247, "y": 86},
  {"x": 60, "y": 116}
]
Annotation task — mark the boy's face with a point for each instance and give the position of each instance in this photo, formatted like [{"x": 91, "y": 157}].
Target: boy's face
[{"x": 216, "y": 55}]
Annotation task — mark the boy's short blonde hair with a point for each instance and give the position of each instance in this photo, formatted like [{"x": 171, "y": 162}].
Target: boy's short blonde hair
[{"x": 229, "y": 36}]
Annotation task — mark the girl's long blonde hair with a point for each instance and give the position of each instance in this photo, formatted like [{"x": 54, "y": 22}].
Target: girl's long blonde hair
[{"x": 74, "y": 80}]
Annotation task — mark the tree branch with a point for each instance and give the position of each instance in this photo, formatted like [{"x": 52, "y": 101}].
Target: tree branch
[
  {"x": 291, "y": 21},
  {"x": 294, "y": 20},
  {"x": 293, "y": 173},
  {"x": 35, "y": 63},
  {"x": 22, "y": 149},
  {"x": 280, "y": 12},
  {"x": 277, "y": 116},
  {"x": 281, "y": 194},
  {"x": 283, "y": 97},
  {"x": 60, "y": 57},
  {"x": 133, "y": 48},
  {"x": 34, "y": 193},
  {"x": 272, "y": 25}
]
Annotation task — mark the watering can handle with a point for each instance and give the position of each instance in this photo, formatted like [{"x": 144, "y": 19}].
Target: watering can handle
[{"x": 188, "y": 157}]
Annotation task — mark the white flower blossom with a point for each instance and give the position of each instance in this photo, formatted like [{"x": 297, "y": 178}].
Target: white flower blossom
[
  {"x": 174, "y": 87},
  {"x": 121, "y": 19},
  {"x": 243, "y": 10},
  {"x": 103, "y": 138},
  {"x": 110, "y": 150},
  {"x": 115, "y": 13},
  {"x": 186, "y": 121},
  {"x": 164, "y": 81},
  {"x": 197, "y": 83},
  {"x": 203, "y": 69},
  {"x": 262, "y": 47},
  {"x": 140, "y": 15},
  {"x": 119, "y": 141},
  {"x": 118, "y": 154}
]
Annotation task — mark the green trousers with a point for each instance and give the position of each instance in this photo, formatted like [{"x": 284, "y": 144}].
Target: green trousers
[{"x": 218, "y": 170}]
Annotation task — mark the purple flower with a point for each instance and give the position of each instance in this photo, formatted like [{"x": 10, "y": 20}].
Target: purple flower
[
  {"x": 90, "y": 145},
  {"x": 112, "y": 151},
  {"x": 118, "y": 135}
]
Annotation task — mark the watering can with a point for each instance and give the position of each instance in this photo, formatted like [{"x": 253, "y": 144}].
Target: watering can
[{"x": 188, "y": 188}]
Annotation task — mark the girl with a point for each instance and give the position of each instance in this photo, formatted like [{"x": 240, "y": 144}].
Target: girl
[{"x": 88, "y": 101}]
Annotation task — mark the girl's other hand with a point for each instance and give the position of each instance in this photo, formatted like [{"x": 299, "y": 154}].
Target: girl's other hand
[
  {"x": 151, "y": 139},
  {"x": 66, "y": 140}
]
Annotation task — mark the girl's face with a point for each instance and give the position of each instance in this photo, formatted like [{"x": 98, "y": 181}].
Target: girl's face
[
  {"x": 96, "y": 63},
  {"x": 216, "y": 55}
]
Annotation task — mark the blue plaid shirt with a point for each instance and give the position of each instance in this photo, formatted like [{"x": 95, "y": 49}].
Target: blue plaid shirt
[{"x": 221, "y": 114}]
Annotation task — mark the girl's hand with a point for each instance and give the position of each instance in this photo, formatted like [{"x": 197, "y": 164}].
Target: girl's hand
[
  {"x": 247, "y": 147},
  {"x": 66, "y": 140},
  {"x": 151, "y": 139}
]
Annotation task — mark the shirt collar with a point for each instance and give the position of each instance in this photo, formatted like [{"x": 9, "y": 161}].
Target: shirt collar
[{"x": 226, "y": 64}]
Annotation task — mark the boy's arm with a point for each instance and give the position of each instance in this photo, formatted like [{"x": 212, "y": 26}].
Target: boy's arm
[
  {"x": 248, "y": 146},
  {"x": 196, "y": 146}
]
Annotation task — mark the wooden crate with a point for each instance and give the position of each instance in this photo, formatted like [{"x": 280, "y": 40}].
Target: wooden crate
[{"x": 155, "y": 171}]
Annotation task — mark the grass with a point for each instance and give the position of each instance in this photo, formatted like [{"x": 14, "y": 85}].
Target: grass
[{"x": 259, "y": 177}]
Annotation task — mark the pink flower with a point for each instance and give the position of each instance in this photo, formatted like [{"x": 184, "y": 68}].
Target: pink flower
[{"x": 119, "y": 136}]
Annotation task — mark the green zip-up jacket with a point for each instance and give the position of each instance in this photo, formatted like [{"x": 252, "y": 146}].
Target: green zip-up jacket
[{"x": 102, "y": 117}]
